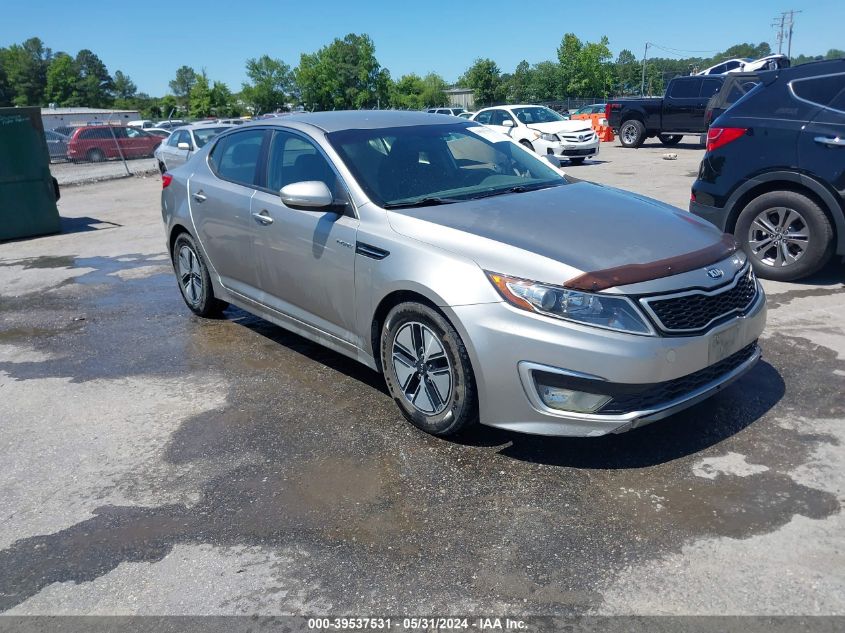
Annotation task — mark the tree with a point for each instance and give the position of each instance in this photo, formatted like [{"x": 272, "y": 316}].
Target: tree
[
  {"x": 545, "y": 81},
  {"x": 519, "y": 87},
  {"x": 169, "y": 107},
  {"x": 6, "y": 94},
  {"x": 585, "y": 67},
  {"x": 485, "y": 79},
  {"x": 569, "y": 58},
  {"x": 62, "y": 80},
  {"x": 95, "y": 85},
  {"x": 433, "y": 91},
  {"x": 271, "y": 82},
  {"x": 124, "y": 87},
  {"x": 406, "y": 92},
  {"x": 199, "y": 99},
  {"x": 628, "y": 73},
  {"x": 343, "y": 75},
  {"x": 181, "y": 85},
  {"x": 222, "y": 102},
  {"x": 26, "y": 71}
]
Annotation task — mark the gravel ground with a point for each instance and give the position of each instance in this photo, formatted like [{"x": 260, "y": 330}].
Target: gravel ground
[{"x": 157, "y": 463}]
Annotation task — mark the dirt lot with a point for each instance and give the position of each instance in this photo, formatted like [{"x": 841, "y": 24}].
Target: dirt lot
[{"x": 157, "y": 463}]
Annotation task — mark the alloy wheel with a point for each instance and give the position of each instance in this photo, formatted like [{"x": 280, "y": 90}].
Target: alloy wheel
[
  {"x": 190, "y": 275},
  {"x": 422, "y": 368},
  {"x": 629, "y": 134},
  {"x": 778, "y": 237}
]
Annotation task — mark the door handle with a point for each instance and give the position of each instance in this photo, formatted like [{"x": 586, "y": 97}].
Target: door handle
[
  {"x": 263, "y": 217},
  {"x": 830, "y": 142},
  {"x": 199, "y": 196}
]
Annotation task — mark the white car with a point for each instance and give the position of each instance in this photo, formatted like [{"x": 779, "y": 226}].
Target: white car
[
  {"x": 747, "y": 65},
  {"x": 183, "y": 142},
  {"x": 543, "y": 131},
  {"x": 141, "y": 123}
]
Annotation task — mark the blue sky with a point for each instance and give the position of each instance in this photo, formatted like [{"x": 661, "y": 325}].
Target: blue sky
[{"x": 149, "y": 39}]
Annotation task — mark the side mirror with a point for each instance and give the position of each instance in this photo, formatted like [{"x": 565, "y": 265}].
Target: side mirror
[
  {"x": 507, "y": 123},
  {"x": 308, "y": 194},
  {"x": 184, "y": 145}
]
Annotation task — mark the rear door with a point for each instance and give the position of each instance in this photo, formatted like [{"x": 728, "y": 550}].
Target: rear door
[
  {"x": 306, "y": 258},
  {"x": 821, "y": 145},
  {"x": 219, "y": 194}
]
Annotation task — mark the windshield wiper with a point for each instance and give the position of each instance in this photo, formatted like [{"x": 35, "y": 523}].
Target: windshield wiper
[
  {"x": 430, "y": 201},
  {"x": 515, "y": 189}
]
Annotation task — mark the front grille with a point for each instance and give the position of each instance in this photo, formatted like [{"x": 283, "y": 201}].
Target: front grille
[
  {"x": 698, "y": 310},
  {"x": 661, "y": 393},
  {"x": 575, "y": 138}
]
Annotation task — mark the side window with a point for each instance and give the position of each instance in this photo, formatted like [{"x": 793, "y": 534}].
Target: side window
[
  {"x": 236, "y": 156},
  {"x": 131, "y": 132},
  {"x": 484, "y": 117},
  {"x": 818, "y": 90},
  {"x": 295, "y": 159},
  {"x": 709, "y": 87},
  {"x": 838, "y": 102},
  {"x": 685, "y": 88}
]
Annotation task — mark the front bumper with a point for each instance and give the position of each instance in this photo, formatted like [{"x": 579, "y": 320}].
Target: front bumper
[
  {"x": 564, "y": 150},
  {"x": 508, "y": 345}
]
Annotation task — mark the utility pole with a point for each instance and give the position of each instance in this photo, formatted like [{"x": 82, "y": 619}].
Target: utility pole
[
  {"x": 645, "y": 56},
  {"x": 785, "y": 24}
]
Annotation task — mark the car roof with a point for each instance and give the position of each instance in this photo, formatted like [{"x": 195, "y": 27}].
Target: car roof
[{"x": 357, "y": 119}]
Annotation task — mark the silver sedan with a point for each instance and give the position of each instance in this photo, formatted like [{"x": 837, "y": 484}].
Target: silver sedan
[
  {"x": 476, "y": 277},
  {"x": 183, "y": 142}
]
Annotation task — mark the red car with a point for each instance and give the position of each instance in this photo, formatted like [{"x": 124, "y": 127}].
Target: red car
[{"x": 97, "y": 143}]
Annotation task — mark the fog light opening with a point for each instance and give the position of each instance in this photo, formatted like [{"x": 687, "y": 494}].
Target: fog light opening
[{"x": 568, "y": 400}]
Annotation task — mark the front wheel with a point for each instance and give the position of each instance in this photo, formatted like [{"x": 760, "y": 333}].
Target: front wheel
[
  {"x": 670, "y": 139},
  {"x": 632, "y": 133},
  {"x": 194, "y": 280},
  {"x": 785, "y": 234},
  {"x": 427, "y": 370},
  {"x": 527, "y": 145}
]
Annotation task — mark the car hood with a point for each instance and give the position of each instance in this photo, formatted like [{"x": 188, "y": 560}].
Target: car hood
[
  {"x": 554, "y": 127},
  {"x": 555, "y": 234}
]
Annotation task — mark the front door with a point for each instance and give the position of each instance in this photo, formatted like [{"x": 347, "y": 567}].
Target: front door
[{"x": 306, "y": 258}]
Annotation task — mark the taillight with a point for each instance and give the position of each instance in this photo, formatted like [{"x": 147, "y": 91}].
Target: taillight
[
  {"x": 719, "y": 136},
  {"x": 166, "y": 179}
]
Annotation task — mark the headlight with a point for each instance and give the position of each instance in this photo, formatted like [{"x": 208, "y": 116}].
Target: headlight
[
  {"x": 550, "y": 137},
  {"x": 599, "y": 310}
]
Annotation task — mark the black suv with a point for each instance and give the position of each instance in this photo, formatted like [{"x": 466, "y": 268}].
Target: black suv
[{"x": 774, "y": 170}]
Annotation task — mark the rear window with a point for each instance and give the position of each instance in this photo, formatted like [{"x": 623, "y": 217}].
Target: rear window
[
  {"x": 685, "y": 88},
  {"x": 818, "y": 90},
  {"x": 235, "y": 157}
]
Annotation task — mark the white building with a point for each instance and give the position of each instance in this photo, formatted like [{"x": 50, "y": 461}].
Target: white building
[{"x": 57, "y": 117}]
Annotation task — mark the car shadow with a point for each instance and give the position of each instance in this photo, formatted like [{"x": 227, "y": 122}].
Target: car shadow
[
  {"x": 680, "y": 435},
  {"x": 653, "y": 142}
]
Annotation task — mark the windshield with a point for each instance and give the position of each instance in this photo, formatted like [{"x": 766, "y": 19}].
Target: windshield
[
  {"x": 537, "y": 114},
  {"x": 203, "y": 135},
  {"x": 437, "y": 164}
]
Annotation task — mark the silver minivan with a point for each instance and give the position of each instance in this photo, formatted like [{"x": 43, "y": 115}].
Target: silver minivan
[{"x": 481, "y": 282}]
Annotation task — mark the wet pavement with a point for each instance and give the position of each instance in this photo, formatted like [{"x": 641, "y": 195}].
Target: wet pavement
[{"x": 155, "y": 462}]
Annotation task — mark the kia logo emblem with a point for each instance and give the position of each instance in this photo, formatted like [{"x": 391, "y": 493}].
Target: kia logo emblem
[{"x": 715, "y": 273}]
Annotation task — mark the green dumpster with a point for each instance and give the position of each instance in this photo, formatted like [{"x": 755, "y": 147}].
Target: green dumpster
[{"x": 28, "y": 192}]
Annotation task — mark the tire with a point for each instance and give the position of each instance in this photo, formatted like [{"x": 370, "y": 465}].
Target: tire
[
  {"x": 435, "y": 391},
  {"x": 527, "y": 144},
  {"x": 670, "y": 140},
  {"x": 631, "y": 133},
  {"x": 762, "y": 225},
  {"x": 95, "y": 155},
  {"x": 193, "y": 278},
  {"x": 577, "y": 161}
]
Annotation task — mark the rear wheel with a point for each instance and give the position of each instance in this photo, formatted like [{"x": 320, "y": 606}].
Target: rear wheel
[
  {"x": 670, "y": 139},
  {"x": 194, "y": 280},
  {"x": 96, "y": 155},
  {"x": 785, "y": 234},
  {"x": 631, "y": 133},
  {"x": 427, "y": 370}
]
